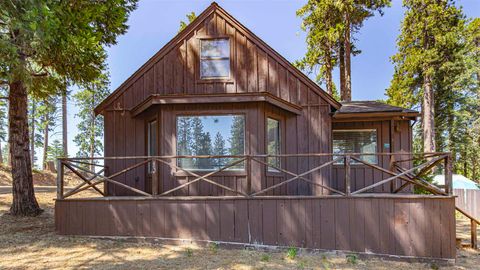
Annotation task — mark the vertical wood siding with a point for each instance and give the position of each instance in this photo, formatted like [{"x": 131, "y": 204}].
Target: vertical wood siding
[
  {"x": 415, "y": 226},
  {"x": 253, "y": 69},
  {"x": 399, "y": 141}
]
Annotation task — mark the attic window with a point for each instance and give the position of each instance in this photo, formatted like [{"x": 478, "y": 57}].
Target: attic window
[{"x": 214, "y": 58}]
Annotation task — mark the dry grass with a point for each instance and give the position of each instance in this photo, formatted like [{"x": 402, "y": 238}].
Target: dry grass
[{"x": 31, "y": 243}]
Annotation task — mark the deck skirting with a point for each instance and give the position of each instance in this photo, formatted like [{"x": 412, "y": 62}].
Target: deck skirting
[{"x": 422, "y": 227}]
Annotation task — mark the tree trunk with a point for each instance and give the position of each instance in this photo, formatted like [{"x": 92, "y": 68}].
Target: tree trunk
[
  {"x": 24, "y": 201},
  {"x": 45, "y": 141},
  {"x": 341, "y": 60},
  {"x": 428, "y": 120},
  {"x": 92, "y": 141},
  {"x": 348, "y": 68},
  {"x": 328, "y": 73},
  {"x": 32, "y": 133},
  {"x": 64, "y": 123},
  {"x": 1, "y": 154}
]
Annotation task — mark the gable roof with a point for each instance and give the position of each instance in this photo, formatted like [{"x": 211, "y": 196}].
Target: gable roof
[{"x": 214, "y": 7}]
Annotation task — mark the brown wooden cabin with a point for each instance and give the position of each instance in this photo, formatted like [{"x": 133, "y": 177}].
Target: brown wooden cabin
[
  {"x": 260, "y": 85},
  {"x": 218, "y": 73}
]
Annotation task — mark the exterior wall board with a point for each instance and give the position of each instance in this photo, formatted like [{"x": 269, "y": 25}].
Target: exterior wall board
[{"x": 408, "y": 226}]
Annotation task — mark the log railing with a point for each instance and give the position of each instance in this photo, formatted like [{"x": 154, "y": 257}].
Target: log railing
[{"x": 409, "y": 169}]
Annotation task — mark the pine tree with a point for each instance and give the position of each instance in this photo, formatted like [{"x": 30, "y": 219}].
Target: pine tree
[
  {"x": 427, "y": 62},
  {"x": 48, "y": 113},
  {"x": 3, "y": 122},
  {"x": 184, "y": 141},
  {"x": 43, "y": 44},
  {"x": 90, "y": 137},
  {"x": 330, "y": 26},
  {"x": 197, "y": 137},
  {"x": 219, "y": 150},
  {"x": 204, "y": 148},
  {"x": 65, "y": 93},
  {"x": 55, "y": 150},
  {"x": 190, "y": 17},
  {"x": 237, "y": 136}
]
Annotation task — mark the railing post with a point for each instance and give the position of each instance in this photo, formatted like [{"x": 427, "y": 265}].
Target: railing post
[
  {"x": 249, "y": 174},
  {"x": 154, "y": 178},
  {"x": 59, "y": 179},
  {"x": 392, "y": 168},
  {"x": 448, "y": 174},
  {"x": 473, "y": 233},
  {"x": 346, "y": 163}
]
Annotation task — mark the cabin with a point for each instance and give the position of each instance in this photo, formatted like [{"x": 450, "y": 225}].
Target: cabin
[{"x": 218, "y": 138}]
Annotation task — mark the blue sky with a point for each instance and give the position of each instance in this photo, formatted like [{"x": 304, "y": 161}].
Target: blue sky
[{"x": 155, "y": 22}]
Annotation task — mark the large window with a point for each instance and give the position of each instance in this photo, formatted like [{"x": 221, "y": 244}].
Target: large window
[
  {"x": 273, "y": 142},
  {"x": 214, "y": 58},
  {"x": 218, "y": 135},
  {"x": 356, "y": 141},
  {"x": 152, "y": 141}
]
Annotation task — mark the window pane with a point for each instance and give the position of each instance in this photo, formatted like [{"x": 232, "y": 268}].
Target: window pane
[
  {"x": 219, "y": 135},
  {"x": 356, "y": 141},
  {"x": 215, "y": 48},
  {"x": 273, "y": 142},
  {"x": 214, "y": 68}
]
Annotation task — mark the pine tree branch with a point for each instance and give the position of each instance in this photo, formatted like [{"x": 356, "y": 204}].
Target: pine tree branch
[{"x": 43, "y": 74}]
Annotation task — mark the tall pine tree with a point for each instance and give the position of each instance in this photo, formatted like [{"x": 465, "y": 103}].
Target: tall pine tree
[
  {"x": 43, "y": 44},
  {"x": 219, "y": 150},
  {"x": 3, "y": 121},
  {"x": 330, "y": 27},
  {"x": 427, "y": 62},
  {"x": 90, "y": 136}
]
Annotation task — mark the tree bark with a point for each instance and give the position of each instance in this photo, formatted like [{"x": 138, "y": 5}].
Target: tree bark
[
  {"x": 64, "y": 123},
  {"x": 1, "y": 154},
  {"x": 92, "y": 140},
  {"x": 24, "y": 201},
  {"x": 348, "y": 69},
  {"x": 428, "y": 120},
  {"x": 45, "y": 141},
  {"x": 32, "y": 133},
  {"x": 341, "y": 60},
  {"x": 328, "y": 73}
]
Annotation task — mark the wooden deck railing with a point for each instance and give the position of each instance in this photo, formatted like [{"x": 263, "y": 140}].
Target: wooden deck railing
[{"x": 410, "y": 169}]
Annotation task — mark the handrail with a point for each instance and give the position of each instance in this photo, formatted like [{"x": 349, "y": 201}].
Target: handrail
[
  {"x": 405, "y": 174},
  {"x": 428, "y": 154}
]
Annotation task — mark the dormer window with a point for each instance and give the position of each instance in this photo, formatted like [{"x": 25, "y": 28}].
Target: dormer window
[{"x": 214, "y": 58}]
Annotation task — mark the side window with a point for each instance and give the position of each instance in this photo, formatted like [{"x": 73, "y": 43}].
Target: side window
[
  {"x": 152, "y": 140},
  {"x": 356, "y": 141},
  {"x": 273, "y": 143},
  {"x": 214, "y": 58}
]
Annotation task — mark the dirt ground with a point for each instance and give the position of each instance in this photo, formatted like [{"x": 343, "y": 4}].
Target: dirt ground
[
  {"x": 31, "y": 243},
  {"x": 40, "y": 178}
]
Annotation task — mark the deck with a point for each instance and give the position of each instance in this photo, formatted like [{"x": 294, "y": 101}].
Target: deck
[{"x": 390, "y": 224}]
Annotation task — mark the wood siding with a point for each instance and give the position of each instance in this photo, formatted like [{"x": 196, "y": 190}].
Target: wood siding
[
  {"x": 306, "y": 133},
  {"x": 255, "y": 68},
  {"x": 397, "y": 134},
  {"x": 402, "y": 226},
  {"x": 468, "y": 200}
]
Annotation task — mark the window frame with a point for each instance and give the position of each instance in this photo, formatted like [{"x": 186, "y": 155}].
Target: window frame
[
  {"x": 353, "y": 162},
  {"x": 269, "y": 170},
  {"x": 200, "y": 58},
  {"x": 148, "y": 140},
  {"x": 227, "y": 172}
]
